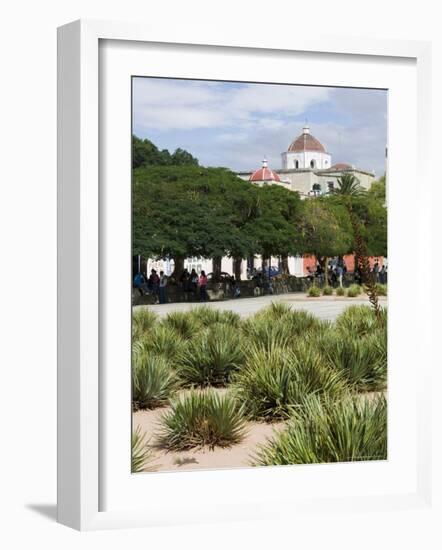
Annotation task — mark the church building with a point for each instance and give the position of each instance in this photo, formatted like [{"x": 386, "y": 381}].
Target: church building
[{"x": 307, "y": 168}]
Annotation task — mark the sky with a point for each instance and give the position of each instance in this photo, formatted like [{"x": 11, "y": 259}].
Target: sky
[{"x": 236, "y": 125}]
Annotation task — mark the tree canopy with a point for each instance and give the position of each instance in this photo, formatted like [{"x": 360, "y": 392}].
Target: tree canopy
[
  {"x": 145, "y": 153},
  {"x": 181, "y": 209}
]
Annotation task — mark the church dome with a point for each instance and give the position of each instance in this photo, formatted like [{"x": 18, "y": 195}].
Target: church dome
[
  {"x": 264, "y": 174},
  {"x": 306, "y": 142},
  {"x": 342, "y": 166}
]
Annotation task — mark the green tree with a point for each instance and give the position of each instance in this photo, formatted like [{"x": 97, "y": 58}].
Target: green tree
[
  {"x": 181, "y": 211},
  {"x": 326, "y": 230},
  {"x": 145, "y": 154},
  {"x": 368, "y": 218}
]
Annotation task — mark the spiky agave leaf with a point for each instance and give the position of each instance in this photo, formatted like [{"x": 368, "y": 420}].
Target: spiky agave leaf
[
  {"x": 212, "y": 357},
  {"x": 143, "y": 320},
  {"x": 360, "y": 320},
  {"x": 202, "y": 418},
  {"x": 141, "y": 456},
  {"x": 326, "y": 430},
  {"x": 276, "y": 380},
  {"x": 153, "y": 380},
  {"x": 183, "y": 323},
  {"x": 361, "y": 359}
]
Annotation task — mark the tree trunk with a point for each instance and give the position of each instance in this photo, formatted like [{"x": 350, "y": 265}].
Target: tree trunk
[
  {"x": 216, "y": 268},
  {"x": 285, "y": 265},
  {"x": 178, "y": 268},
  {"x": 237, "y": 265},
  {"x": 325, "y": 271}
]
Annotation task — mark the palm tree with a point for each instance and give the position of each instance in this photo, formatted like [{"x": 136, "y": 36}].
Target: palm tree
[{"x": 349, "y": 185}]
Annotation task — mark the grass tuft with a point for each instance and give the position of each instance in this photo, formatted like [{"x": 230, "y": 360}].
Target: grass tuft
[
  {"x": 202, "y": 418},
  {"x": 141, "y": 456},
  {"x": 314, "y": 292},
  {"x": 212, "y": 357},
  {"x": 276, "y": 380},
  {"x": 153, "y": 380},
  {"x": 324, "y": 430}
]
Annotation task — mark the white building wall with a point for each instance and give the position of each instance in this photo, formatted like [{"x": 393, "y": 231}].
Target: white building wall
[{"x": 322, "y": 161}]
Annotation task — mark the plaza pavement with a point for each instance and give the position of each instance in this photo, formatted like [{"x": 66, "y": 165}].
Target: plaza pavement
[{"x": 324, "y": 307}]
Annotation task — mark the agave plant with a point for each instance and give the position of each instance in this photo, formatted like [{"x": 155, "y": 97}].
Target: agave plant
[
  {"x": 276, "y": 380},
  {"x": 206, "y": 316},
  {"x": 260, "y": 332},
  {"x": 354, "y": 290},
  {"x": 141, "y": 453},
  {"x": 274, "y": 311},
  {"x": 153, "y": 380},
  {"x": 360, "y": 320},
  {"x": 183, "y": 323},
  {"x": 361, "y": 359},
  {"x": 212, "y": 357},
  {"x": 143, "y": 320},
  {"x": 326, "y": 430},
  {"x": 314, "y": 292},
  {"x": 161, "y": 340},
  {"x": 202, "y": 418}
]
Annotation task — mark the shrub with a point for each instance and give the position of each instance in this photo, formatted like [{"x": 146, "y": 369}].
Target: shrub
[
  {"x": 314, "y": 292},
  {"x": 274, "y": 312},
  {"x": 211, "y": 358},
  {"x": 353, "y": 291},
  {"x": 183, "y": 323},
  {"x": 360, "y": 320},
  {"x": 301, "y": 322},
  {"x": 361, "y": 359},
  {"x": 143, "y": 320},
  {"x": 276, "y": 380},
  {"x": 381, "y": 289},
  {"x": 261, "y": 332},
  {"x": 340, "y": 291},
  {"x": 202, "y": 418},
  {"x": 353, "y": 429},
  {"x": 141, "y": 455},
  {"x": 162, "y": 340},
  {"x": 327, "y": 291},
  {"x": 153, "y": 381},
  {"x": 206, "y": 315}
]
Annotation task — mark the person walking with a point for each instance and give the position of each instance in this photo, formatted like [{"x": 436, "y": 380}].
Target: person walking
[
  {"x": 202, "y": 283},
  {"x": 162, "y": 287}
]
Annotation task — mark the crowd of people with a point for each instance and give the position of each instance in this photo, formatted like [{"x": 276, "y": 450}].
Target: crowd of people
[
  {"x": 337, "y": 270},
  {"x": 195, "y": 286},
  {"x": 156, "y": 285}
]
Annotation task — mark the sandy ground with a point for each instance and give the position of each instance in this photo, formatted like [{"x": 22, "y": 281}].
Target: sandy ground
[{"x": 202, "y": 459}]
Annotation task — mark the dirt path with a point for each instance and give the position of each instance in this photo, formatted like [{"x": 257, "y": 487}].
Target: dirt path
[{"x": 236, "y": 456}]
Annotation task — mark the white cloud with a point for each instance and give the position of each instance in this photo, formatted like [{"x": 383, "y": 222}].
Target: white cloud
[
  {"x": 162, "y": 104},
  {"x": 235, "y": 125}
]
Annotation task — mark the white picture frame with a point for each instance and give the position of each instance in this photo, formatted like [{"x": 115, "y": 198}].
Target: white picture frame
[{"x": 81, "y": 444}]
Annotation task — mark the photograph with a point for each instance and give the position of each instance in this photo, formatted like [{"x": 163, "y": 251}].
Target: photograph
[{"x": 259, "y": 274}]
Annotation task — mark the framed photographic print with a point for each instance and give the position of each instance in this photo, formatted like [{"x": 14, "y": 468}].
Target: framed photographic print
[{"x": 233, "y": 216}]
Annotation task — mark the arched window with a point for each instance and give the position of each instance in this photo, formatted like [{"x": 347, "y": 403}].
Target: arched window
[
  {"x": 312, "y": 163},
  {"x": 296, "y": 164}
]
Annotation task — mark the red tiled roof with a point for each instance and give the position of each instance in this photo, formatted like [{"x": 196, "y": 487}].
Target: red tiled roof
[
  {"x": 341, "y": 166},
  {"x": 306, "y": 142},
  {"x": 264, "y": 174}
]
